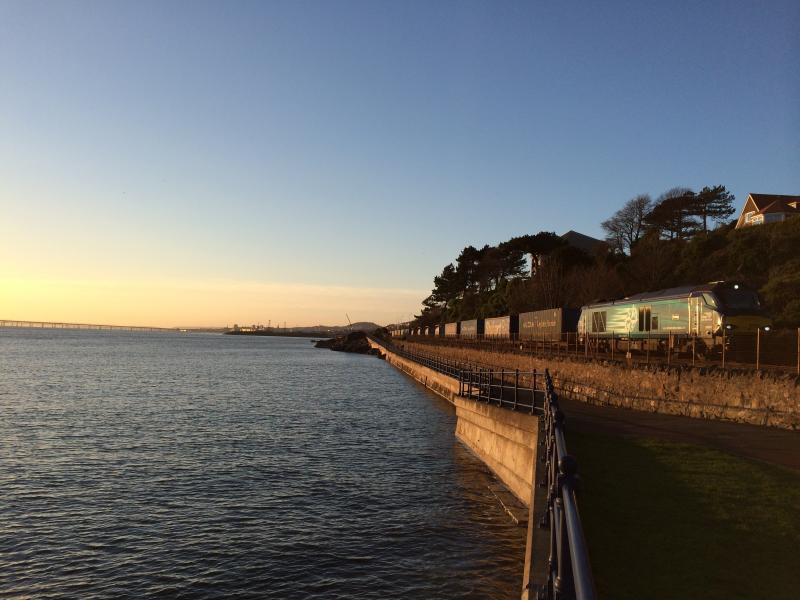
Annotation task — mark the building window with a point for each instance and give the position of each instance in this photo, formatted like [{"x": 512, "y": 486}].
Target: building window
[{"x": 748, "y": 216}]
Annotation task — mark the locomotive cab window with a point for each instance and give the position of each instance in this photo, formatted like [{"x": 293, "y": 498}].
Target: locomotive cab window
[{"x": 654, "y": 322}]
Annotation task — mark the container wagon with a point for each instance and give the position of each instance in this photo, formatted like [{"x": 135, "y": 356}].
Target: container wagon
[
  {"x": 550, "y": 324},
  {"x": 451, "y": 329},
  {"x": 501, "y": 327},
  {"x": 471, "y": 329}
]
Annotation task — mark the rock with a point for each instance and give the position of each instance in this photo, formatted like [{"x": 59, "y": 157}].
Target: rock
[{"x": 355, "y": 341}]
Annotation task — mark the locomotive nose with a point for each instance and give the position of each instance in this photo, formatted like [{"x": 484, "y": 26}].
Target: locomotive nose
[{"x": 747, "y": 323}]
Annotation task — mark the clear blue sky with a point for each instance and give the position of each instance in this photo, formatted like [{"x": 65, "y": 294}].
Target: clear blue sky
[{"x": 363, "y": 144}]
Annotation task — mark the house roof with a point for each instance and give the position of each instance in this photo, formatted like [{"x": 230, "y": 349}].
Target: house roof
[
  {"x": 775, "y": 203},
  {"x": 582, "y": 241}
]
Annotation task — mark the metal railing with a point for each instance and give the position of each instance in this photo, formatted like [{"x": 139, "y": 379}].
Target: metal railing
[
  {"x": 569, "y": 569},
  {"x": 511, "y": 389},
  {"x": 569, "y": 572},
  {"x": 506, "y": 388}
]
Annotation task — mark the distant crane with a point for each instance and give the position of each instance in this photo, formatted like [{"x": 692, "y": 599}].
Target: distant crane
[{"x": 350, "y": 322}]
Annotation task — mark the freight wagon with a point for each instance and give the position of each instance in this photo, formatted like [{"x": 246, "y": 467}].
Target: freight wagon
[
  {"x": 550, "y": 324},
  {"x": 501, "y": 327},
  {"x": 471, "y": 329}
]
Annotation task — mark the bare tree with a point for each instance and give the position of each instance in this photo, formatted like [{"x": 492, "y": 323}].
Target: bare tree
[{"x": 627, "y": 225}]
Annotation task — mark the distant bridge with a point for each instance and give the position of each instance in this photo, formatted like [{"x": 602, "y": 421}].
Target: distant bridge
[{"x": 57, "y": 325}]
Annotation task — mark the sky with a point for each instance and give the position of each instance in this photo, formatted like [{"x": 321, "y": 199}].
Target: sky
[{"x": 205, "y": 163}]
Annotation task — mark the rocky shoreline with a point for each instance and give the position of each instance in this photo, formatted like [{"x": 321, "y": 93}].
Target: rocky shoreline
[{"x": 355, "y": 342}]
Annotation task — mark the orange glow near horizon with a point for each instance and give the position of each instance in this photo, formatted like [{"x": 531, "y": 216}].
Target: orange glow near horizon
[{"x": 199, "y": 303}]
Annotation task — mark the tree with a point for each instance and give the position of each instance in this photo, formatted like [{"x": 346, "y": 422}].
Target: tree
[
  {"x": 715, "y": 203},
  {"x": 467, "y": 267},
  {"x": 673, "y": 214},
  {"x": 537, "y": 246},
  {"x": 627, "y": 225},
  {"x": 446, "y": 287}
]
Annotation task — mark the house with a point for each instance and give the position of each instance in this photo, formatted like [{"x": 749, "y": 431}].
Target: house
[{"x": 768, "y": 208}]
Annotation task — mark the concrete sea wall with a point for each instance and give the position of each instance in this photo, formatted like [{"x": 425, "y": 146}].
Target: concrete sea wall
[
  {"x": 508, "y": 443},
  {"x": 758, "y": 398},
  {"x": 505, "y": 441}
]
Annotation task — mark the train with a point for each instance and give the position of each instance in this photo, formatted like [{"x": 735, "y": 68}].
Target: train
[{"x": 704, "y": 317}]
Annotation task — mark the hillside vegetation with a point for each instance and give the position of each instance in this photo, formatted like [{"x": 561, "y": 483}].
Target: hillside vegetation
[{"x": 681, "y": 239}]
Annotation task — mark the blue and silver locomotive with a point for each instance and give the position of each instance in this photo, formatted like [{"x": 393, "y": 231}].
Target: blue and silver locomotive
[{"x": 704, "y": 315}]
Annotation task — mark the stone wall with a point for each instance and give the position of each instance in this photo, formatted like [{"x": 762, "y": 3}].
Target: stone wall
[{"x": 759, "y": 398}]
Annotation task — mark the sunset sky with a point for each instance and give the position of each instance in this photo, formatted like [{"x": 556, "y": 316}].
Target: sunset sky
[{"x": 205, "y": 163}]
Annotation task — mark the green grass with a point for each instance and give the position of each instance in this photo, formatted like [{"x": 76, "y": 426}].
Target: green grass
[{"x": 667, "y": 520}]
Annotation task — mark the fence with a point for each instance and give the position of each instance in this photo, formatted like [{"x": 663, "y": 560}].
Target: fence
[
  {"x": 763, "y": 349},
  {"x": 511, "y": 389},
  {"x": 569, "y": 573}
]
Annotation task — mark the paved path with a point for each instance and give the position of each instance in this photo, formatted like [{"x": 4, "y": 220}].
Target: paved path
[{"x": 768, "y": 444}]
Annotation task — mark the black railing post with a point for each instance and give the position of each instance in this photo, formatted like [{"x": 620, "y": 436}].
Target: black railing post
[{"x": 516, "y": 388}]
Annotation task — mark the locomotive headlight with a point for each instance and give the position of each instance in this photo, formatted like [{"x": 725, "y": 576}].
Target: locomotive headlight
[
  {"x": 736, "y": 286},
  {"x": 728, "y": 326},
  {"x": 766, "y": 328}
]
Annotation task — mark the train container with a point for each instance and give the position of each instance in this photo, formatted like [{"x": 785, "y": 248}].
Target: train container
[
  {"x": 451, "y": 329},
  {"x": 548, "y": 324},
  {"x": 501, "y": 327},
  {"x": 472, "y": 328}
]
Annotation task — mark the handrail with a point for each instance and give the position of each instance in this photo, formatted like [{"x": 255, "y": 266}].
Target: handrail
[
  {"x": 506, "y": 388},
  {"x": 570, "y": 572}
]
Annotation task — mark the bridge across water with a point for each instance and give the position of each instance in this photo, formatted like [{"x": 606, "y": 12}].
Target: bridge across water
[{"x": 95, "y": 326}]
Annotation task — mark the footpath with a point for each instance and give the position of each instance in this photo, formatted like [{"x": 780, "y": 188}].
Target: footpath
[{"x": 767, "y": 444}]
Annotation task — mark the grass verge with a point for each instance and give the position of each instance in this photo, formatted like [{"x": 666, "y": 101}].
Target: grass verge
[{"x": 668, "y": 520}]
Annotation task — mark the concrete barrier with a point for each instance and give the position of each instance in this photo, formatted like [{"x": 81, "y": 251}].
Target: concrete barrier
[
  {"x": 446, "y": 387},
  {"x": 505, "y": 441}
]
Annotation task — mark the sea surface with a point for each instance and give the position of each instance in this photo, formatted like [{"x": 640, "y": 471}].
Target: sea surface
[{"x": 203, "y": 466}]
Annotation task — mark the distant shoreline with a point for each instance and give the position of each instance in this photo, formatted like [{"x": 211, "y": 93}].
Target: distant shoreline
[{"x": 301, "y": 334}]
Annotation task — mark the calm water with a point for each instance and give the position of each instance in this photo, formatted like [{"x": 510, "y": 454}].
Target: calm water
[{"x": 206, "y": 466}]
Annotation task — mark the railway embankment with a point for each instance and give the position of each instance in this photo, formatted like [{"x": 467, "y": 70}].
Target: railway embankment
[{"x": 706, "y": 392}]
